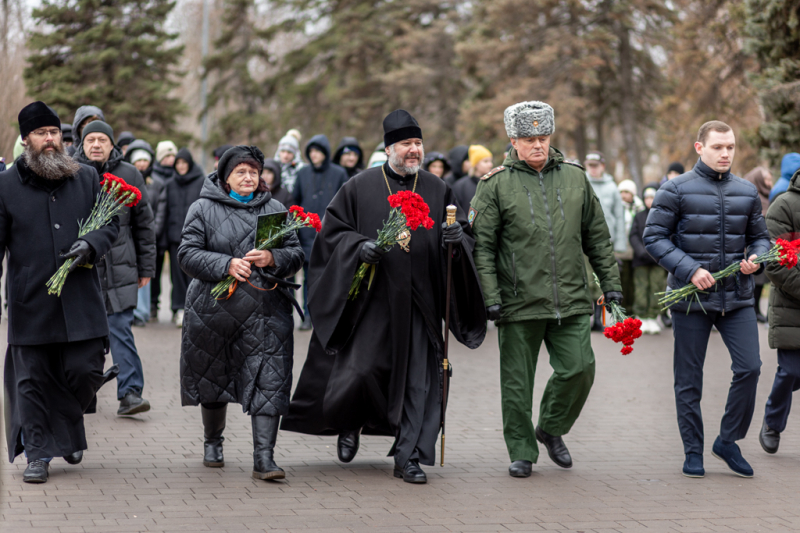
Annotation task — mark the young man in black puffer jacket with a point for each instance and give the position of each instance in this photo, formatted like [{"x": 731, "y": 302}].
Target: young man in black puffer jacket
[{"x": 701, "y": 222}]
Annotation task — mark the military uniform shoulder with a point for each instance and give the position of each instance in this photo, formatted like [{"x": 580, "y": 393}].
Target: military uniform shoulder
[{"x": 493, "y": 172}]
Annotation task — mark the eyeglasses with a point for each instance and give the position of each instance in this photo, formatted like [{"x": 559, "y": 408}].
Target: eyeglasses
[{"x": 44, "y": 132}]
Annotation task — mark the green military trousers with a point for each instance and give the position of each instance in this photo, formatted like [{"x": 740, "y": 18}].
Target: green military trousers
[{"x": 571, "y": 356}]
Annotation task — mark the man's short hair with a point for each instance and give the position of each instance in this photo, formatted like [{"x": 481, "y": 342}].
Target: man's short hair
[{"x": 713, "y": 125}]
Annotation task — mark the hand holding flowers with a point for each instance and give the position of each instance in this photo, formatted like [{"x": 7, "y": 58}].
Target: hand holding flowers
[{"x": 115, "y": 195}]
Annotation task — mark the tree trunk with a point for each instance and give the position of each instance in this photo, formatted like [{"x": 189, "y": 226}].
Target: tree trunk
[{"x": 627, "y": 108}]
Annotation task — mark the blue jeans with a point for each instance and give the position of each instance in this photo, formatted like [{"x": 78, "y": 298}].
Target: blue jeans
[
  {"x": 142, "y": 311},
  {"x": 739, "y": 331},
  {"x": 787, "y": 380},
  {"x": 124, "y": 353}
]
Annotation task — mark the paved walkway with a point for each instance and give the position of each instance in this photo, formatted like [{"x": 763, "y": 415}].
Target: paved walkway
[{"x": 146, "y": 474}]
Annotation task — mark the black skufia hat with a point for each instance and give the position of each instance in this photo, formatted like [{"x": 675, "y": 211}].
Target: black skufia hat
[
  {"x": 398, "y": 126},
  {"x": 37, "y": 115}
]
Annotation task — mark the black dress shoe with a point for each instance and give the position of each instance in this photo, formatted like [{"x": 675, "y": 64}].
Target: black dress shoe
[
  {"x": 36, "y": 472},
  {"x": 769, "y": 438},
  {"x": 520, "y": 468},
  {"x": 74, "y": 458},
  {"x": 132, "y": 404},
  {"x": 556, "y": 448},
  {"x": 411, "y": 473},
  {"x": 347, "y": 445},
  {"x": 111, "y": 373}
]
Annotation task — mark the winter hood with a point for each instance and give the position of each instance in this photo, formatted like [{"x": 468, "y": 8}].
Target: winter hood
[
  {"x": 321, "y": 142},
  {"x": 84, "y": 112},
  {"x": 457, "y": 156},
  {"x": 194, "y": 171},
  {"x": 275, "y": 167},
  {"x": 349, "y": 142}
]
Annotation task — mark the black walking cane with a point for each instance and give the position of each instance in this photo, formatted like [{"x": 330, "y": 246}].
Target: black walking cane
[{"x": 451, "y": 219}]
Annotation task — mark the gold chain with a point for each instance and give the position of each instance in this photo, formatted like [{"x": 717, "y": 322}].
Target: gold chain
[{"x": 416, "y": 177}]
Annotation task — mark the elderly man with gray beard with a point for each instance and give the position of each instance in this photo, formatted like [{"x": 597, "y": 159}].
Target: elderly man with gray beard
[
  {"x": 375, "y": 363},
  {"x": 56, "y": 345}
]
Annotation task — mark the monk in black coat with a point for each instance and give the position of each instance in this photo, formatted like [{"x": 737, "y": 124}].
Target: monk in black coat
[
  {"x": 375, "y": 363},
  {"x": 56, "y": 345}
]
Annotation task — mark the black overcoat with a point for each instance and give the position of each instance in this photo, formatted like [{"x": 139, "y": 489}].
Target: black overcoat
[
  {"x": 182, "y": 192},
  {"x": 133, "y": 254},
  {"x": 237, "y": 350},
  {"x": 355, "y": 372},
  {"x": 36, "y": 226}
]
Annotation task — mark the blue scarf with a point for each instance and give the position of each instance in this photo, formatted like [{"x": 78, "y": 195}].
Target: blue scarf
[{"x": 240, "y": 198}]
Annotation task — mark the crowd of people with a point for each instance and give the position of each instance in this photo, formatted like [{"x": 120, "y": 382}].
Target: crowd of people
[{"x": 538, "y": 245}]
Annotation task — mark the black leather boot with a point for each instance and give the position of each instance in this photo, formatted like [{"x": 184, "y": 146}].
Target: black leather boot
[
  {"x": 265, "y": 432},
  {"x": 411, "y": 472},
  {"x": 556, "y": 448},
  {"x": 521, "y": 468},
  {"x": 74, "y": 458},
  {"x": 213, "y": 426},
  {"x": 769, "y": 438},
  {"x": 347, "y": 445}
]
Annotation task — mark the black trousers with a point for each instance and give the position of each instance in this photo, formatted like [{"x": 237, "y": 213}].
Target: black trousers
[
  {"x": 739, "y": 332},
  {"x": 180, "y": 279},
  {"x": 422, "y": 406},
  {"x": 787, "y": 381},
  {"x": 48, "y": 389},
  {"x": 155, "y": 283}
]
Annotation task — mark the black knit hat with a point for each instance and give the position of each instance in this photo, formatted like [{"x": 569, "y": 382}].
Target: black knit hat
[
  {"x": 398, "y": 126},
  {"x": 676, "y": 167},
  {"x": 98, "y": 126},
  {"x": 37, "y": 115},
  {"x": 237, "y": 155},
  {"x": 125, "y": 138}
]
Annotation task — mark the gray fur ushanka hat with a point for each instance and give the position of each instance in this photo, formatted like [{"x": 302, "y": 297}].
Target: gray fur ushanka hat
[{"x": 529, "y": 119}]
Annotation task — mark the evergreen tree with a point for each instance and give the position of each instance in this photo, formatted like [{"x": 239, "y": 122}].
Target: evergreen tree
[
  {"x": 774, "y": 30},
  {"x": 357, "y": 60},
  {"x": 240, "y": 86},
  {"x": 114, "y": 54}
]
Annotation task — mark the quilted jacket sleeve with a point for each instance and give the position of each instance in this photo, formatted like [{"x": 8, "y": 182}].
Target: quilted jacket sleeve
[
  {"x": 193, "y": 255},
  {"x": 662, "y": 224},
  {"x": 289, "y": 258},
  {"x": 781, "y": 223}
]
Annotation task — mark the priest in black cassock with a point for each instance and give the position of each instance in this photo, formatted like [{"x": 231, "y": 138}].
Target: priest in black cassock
[{"x": 374, "y": 364}]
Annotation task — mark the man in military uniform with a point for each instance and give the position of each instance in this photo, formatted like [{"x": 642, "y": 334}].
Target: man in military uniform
[{"x": 533, "y": 219}]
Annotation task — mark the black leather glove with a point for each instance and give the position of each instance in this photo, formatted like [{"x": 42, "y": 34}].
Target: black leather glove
[
  {"x": 452, "y": 234},
  {"x": 371, "y": 253},
  {"x": 613, "y": 296},
  {"x": 82, "y": 251},
  {"x": 493, "y": 312}
]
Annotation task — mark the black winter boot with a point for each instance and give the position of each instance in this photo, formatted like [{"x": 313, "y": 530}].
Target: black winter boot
[
  {"x": 213, "y": 426},
  {"x": 265, "y": 432}
]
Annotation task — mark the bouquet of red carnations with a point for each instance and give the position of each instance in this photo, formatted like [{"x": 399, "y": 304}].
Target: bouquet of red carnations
[
  {"x": 409, "y": 211},
  {"x": 784, "y": 252},
  {"x": 624, "y": 329},
  {"x": 296, "y": 220},
  {"x": 114, "y": 195}
]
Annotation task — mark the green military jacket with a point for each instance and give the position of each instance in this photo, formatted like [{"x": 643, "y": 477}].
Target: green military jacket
[{"x": 532, "y": 230}]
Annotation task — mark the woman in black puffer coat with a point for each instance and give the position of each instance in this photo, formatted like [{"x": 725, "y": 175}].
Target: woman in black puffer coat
[{"x": 237, "y": 350}]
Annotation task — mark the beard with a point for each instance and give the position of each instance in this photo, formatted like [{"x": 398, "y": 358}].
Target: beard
[
  {"x": 53, "y": 165},
  {"x": 400, "y": 165}
]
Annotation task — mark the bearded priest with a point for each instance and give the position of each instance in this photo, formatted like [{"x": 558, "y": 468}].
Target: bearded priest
[
  {"x": 56, "y": 345},
  {"x": 374, "y": 364}
]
